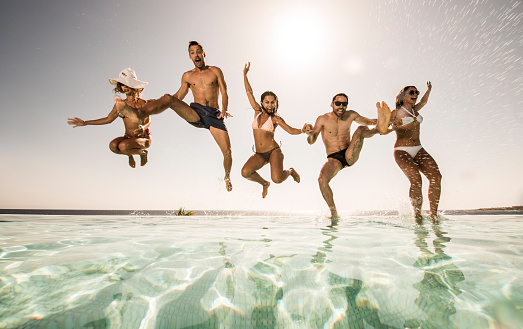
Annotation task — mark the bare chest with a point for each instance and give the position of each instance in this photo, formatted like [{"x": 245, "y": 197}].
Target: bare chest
[
  {"x": 337, "y": 128},
  {"x": 203, "y": 80}
]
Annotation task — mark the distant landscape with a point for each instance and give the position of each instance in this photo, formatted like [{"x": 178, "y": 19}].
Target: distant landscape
[{"x": 514, "y": 210}]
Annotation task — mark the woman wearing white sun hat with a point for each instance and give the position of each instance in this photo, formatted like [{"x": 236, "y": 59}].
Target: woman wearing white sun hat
[{"x": 137, "y": 137}]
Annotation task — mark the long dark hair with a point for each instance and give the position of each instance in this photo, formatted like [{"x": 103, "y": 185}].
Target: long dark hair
[{"x": 269, "y": 93}]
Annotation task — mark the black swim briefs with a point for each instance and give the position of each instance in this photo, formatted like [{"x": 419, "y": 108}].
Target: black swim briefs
[
  {"x": 208, "y": 117},
  {"x": 340, "y": 156}
]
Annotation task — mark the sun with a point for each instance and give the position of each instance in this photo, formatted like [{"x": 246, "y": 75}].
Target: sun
[{"x": 300, "y": 37}]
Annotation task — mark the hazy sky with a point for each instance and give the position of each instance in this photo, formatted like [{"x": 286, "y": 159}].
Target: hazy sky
[{"x": 56, "y": 58}]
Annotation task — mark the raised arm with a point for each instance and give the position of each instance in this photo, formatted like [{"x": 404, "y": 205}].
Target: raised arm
[
  {"x": 291, "y": 130},
  {"x": 77, "y": 122},
  {"x": 423, "y": 101},
  {"x": 248, "y": 89},
  {"x": 184, "y": 88},
  {"x": 313, "y": 134}
]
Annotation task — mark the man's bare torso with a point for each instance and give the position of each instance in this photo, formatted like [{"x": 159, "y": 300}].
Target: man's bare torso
[
  {"x": 204, "y": 86},
  {"x": 336, "y": 131}
]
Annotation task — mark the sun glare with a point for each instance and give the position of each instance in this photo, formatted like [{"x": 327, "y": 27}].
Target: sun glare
[{"x": 300, "y": 37}]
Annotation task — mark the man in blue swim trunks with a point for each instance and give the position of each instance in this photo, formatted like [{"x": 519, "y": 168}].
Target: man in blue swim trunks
[
  {"x": 206, "y": 84},
  {"x": 342, "y": 150}
]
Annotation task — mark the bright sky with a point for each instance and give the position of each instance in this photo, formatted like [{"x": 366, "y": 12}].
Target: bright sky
[{"x": 56, "y": 58}]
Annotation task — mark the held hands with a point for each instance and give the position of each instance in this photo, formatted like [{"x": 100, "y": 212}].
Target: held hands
[
  {"x": 76, "y": 122},
  {"x": 307, "y": 128},
  {"x": 246, "y": 68}
]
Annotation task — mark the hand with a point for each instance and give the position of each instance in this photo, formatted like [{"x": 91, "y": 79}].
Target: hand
[
  {"x": 224, "y": 115},
  {"x": 307, "y": 128},
  {"x": 76, "y": 122},
  {"x": 429, "y": 85},
  {"x": 246, "y": 68}
]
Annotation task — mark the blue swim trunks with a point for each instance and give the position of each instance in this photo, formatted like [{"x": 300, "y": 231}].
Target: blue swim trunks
[{"x": 208, "y": 117}]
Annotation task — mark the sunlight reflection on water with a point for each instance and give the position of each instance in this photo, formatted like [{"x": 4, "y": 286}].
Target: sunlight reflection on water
[{"x": 250, "y": 272}]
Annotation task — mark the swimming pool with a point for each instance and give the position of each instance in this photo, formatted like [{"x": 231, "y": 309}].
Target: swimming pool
[{"x": 260, "y": 272}]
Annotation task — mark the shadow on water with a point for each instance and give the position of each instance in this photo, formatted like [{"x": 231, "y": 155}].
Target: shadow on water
[{"x": 438, "y": 288}]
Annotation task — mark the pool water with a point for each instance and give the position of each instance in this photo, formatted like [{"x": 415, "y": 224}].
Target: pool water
[{"x": 260, "y": 272}]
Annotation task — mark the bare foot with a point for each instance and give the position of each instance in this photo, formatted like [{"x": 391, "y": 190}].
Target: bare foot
[
  {"x": 383, "y": 117},
  {"x": 295, "y": 175},
  {"x": 419, "y": 218},
  {"x": 143, "y": 157},
  {"x": 434, "y": 219},
  {"x": 265, "y": 189},
  {"x": 228, "y": 184},
  {"x": 334, "y": 216},
  {"x": 131, "y": 161}
]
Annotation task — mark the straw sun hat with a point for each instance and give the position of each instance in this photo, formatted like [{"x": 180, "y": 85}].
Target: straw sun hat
[{"x": 128, "y": 77}]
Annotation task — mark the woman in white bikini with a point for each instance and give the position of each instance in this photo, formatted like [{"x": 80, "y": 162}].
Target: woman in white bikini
[
  {"x": 410, "y": 156},
  {"x": 137, "y": 137},
  {"x": 267, "y": 150}
]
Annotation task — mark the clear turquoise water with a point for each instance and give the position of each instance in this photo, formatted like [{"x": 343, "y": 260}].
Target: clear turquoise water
[{"x": 260, "y": 272}]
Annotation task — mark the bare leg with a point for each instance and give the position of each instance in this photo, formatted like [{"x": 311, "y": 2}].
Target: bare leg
[
  {"x": 249, "y": 171},
  {"x": 143, "y": 157},
  {"x": 278, "y": 175},
  {"x": 113, "y": 145},
  {"x": 132, "y": 163},
  {"x": 428, "y": 166},
  {"x": 222, "y": 139},
  {"x": 161, "y": 104},
  {"x": 384, "y": 114},
  {"x": 327, "y": 173},
  {"x": 411, "y": 170},
  {"x": 356, "y": 144},
  {"x": 131, "y": 146}
]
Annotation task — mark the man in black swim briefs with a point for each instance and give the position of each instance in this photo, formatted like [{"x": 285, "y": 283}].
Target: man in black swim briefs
[{"x": 343, "y": 151}]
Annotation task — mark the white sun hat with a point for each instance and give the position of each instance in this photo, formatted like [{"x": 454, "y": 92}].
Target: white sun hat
[{"x": 128, "y": 77}]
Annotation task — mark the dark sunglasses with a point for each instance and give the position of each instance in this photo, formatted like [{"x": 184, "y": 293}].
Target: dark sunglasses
[
  {"x": 338, "y": 103},
  {"x": 412, "y": 92}
]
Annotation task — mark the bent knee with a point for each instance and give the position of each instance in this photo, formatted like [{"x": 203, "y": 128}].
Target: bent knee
[
  {"x": 227, "y": 153},
  {"x": 323, "y": 181},
  {"x": 246, "y": 172},
  {"x": 362, "y": 128},
  {"x": 278, "y": 179},
  {"x": 114, "y": 148}
]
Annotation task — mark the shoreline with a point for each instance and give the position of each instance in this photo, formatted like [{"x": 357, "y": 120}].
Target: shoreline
[{"x": 514, "y": 210}]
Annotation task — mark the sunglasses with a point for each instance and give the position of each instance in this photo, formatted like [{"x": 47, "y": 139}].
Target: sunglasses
[
  {"x": 412, "y": 92},
  {"x": 338, "y": 103}
]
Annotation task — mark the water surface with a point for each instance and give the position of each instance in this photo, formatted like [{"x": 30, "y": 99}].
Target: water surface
[{"x": 260, "y": 272}]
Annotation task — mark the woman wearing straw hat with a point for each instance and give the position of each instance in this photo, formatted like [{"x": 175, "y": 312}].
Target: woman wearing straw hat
[{"x": 137, "y": 137}]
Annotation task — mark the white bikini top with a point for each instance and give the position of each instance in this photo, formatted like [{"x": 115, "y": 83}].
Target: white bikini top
[
  {"x": 267, "y": 125},
  {"x": 412, "y": 118}
]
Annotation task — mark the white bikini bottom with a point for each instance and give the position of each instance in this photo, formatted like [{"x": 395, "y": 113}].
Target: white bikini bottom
[{"x": 411, "y": 150}]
